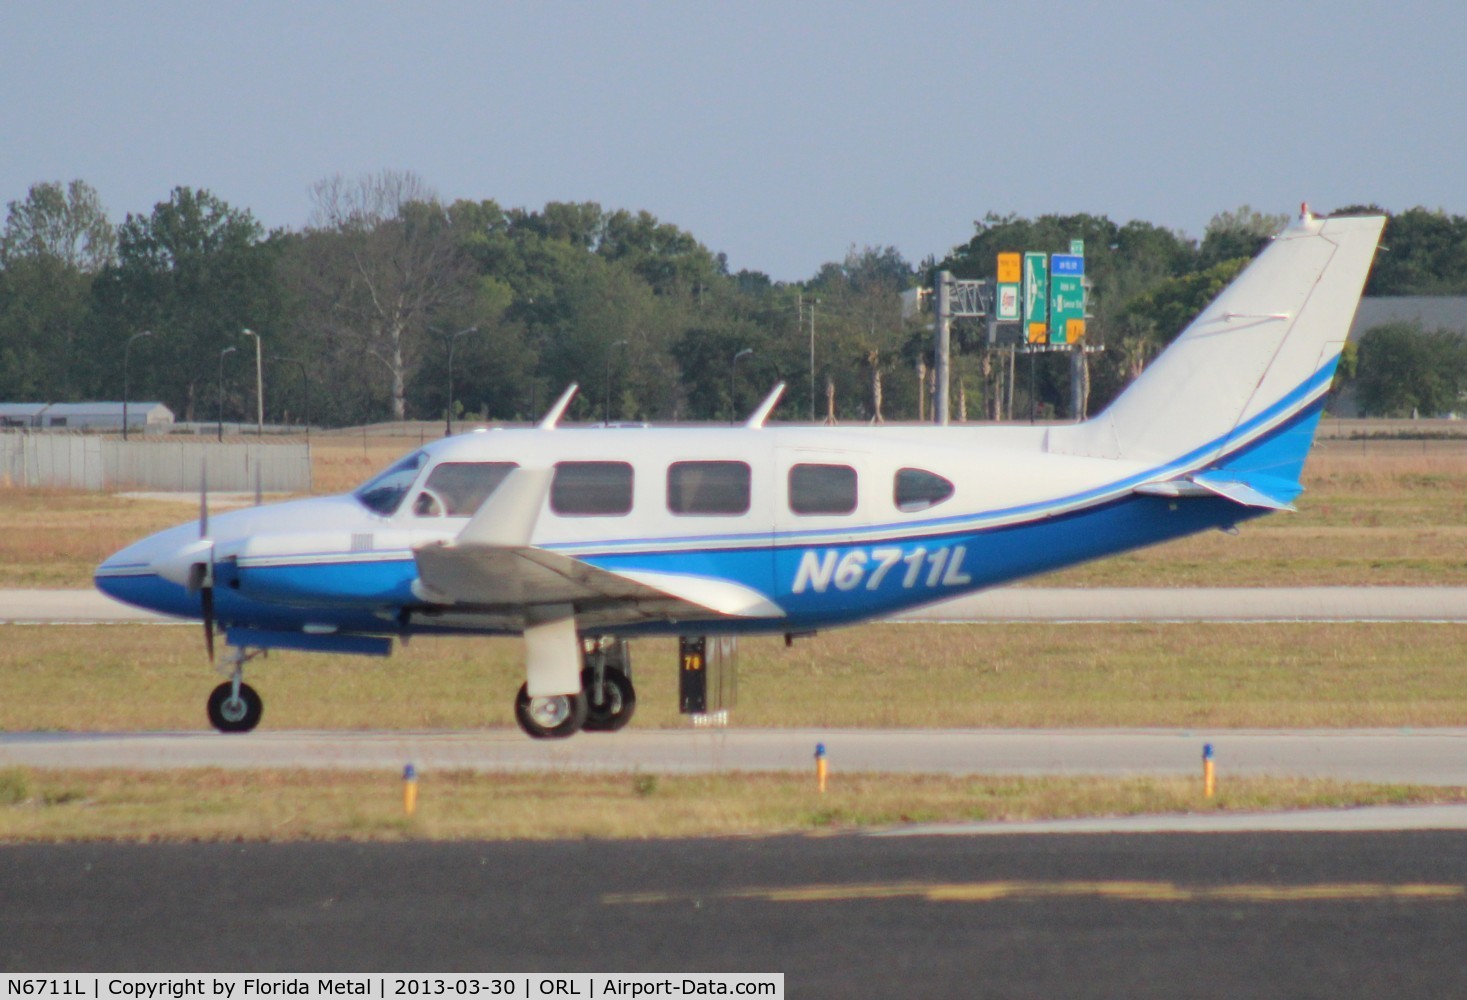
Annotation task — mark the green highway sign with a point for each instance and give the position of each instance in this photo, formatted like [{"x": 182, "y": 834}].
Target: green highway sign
[
  {"x": 1067, "y": 309},
  {"x": 1036, "y": 296}
]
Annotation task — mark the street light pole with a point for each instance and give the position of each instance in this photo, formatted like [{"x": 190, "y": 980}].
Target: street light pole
[
  {"x": 733, "y": 371},
  {"x": 305, "y": 386},
  {"x": 607, "y": 417},
  {"x": 259, "y": 385},
  {"x": 126, "y": 353},
  {"x": 813, "y": 304},
  {"x": 227, "y": 350},
  {"x": 448, "y": 409}
]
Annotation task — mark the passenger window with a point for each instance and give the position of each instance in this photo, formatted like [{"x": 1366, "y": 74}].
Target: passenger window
[
  {"x": 591, "y": 489},
  {"x": 822, "y": 489},
  {"x": 459, "y": 489},
  {"x": 918, "y": 489},
  {"x": 708, "y": 488}
]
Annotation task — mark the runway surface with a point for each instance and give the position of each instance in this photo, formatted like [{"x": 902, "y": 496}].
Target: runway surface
[
  {"x": 1012, "y": 604},
  {"x": 1297, "y": 915},
  {"x": 1427, "y": 756}
]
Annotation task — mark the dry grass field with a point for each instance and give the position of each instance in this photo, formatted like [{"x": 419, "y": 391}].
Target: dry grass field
[
  {"x": 1375, "y": 512},
  {"x": 214, "y": 805}
]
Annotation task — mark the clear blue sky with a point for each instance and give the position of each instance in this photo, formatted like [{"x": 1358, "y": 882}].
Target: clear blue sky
[{"x": 778, "y": 133}]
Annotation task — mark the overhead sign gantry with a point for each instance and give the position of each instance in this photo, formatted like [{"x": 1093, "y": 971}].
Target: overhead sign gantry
[{"x": 1046, "y": 295}]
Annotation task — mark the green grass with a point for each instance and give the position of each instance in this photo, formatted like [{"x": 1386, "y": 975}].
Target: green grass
[
  {"x": 1166, "y": 675},
  {"x": 216, "y": 805}
]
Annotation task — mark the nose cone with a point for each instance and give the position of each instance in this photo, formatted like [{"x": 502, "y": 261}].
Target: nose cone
[{"x": 133, "y": 575}]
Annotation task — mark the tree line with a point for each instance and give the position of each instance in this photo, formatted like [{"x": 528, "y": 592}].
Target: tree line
[{"x": 392, "y": 304}]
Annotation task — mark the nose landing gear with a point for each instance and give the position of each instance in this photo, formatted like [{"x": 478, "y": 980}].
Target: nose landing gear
[{"x": 234, "y": 706}]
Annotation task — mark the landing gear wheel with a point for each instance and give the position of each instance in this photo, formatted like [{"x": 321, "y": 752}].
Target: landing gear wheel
[
  {"x": 229, "y": 714},
  {"x": 550, "y": 718},
  {"x": 618, "y": 700}
]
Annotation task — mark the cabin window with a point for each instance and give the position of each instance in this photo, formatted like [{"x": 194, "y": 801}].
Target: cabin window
[
  {"x": 591, "y": 489},
  {"x": 383, "y": 493},
  {"x": 708, "y": 488},
  {"x": 822, "y": 489},
  {"x": 918, "y": 489},
  {"x": 459, "y": 489}
]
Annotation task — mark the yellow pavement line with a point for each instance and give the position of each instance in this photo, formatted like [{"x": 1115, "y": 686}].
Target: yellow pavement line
[{"x": 986, "y": 892}]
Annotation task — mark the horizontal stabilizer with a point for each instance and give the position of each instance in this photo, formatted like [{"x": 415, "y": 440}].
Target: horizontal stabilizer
[{"x": 1255, "y": 491}]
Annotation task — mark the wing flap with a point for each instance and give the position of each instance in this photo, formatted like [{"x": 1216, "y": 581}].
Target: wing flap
[
  {"x": 723, "y": 596},
  {"x": 525, "y": 576}
]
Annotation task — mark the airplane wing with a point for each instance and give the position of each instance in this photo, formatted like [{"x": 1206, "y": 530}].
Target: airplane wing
[{"x": 491, "y": 568}]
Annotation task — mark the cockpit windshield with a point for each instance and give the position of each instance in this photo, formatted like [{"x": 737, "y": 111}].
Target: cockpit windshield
[{"x": 383, "y": 493}]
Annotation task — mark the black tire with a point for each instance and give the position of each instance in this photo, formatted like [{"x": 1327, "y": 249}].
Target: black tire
[
  {"x": 619, "y": 700},
  {"x": 230, "y": 716},
  {"x": 551, "y": 718}
]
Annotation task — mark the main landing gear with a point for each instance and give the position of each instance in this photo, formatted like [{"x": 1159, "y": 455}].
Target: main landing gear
[
  {"x": 234, "y": 706},
  {"x": 605, "y": 702}
]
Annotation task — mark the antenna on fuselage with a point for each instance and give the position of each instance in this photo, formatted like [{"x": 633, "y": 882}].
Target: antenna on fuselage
[
  {"x": 548, "y": 422},
  {"x": 757, "y": 418}
]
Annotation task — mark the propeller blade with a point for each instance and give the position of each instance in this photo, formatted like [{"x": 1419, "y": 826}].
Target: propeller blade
[
  {"x": 206, "y": 598},
  {"x": 204, "y": 499},
  {"x": 200, "y": 575}
]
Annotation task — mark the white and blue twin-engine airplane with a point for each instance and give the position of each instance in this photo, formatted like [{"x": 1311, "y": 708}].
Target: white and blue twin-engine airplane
[{"x": 577, "y": 539}]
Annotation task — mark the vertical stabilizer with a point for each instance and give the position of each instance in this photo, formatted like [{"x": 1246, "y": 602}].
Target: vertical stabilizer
[{"x": 1249, "y": 375}]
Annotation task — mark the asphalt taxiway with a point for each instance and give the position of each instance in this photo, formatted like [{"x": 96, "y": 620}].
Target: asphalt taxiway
[{"x": 1297, "y": 915}]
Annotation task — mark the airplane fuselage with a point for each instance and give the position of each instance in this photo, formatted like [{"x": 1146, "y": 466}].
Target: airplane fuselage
[{"x": 833, "y": 525}]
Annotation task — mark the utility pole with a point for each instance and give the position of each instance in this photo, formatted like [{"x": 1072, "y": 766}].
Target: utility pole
[
  {"x": 952, "y": 299},
  {"x": 942, "y": 349}
]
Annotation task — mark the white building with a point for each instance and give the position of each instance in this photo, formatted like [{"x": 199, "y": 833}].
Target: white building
[{"x": 85, "y": 416}]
